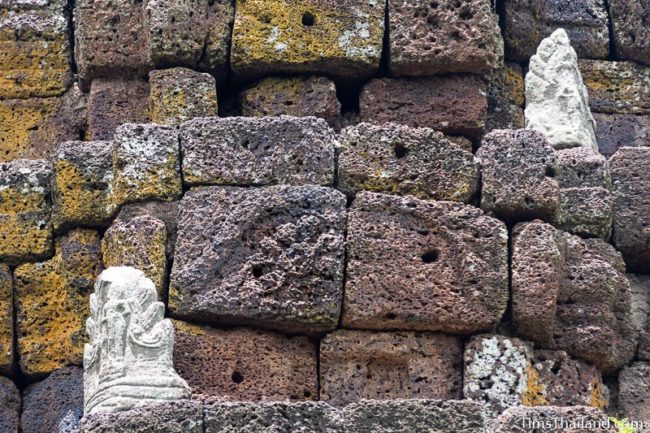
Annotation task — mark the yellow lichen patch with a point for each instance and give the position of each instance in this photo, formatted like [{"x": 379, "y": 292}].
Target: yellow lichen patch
[
  {"x": 52, "y": 304},
  {"x": 6, "y": 320},
  {"x": 19, "y": 120},
  {"x": 515, "y": 88},
  {"x": 535, "y": 392},
  {"x": 597, "y": 398},
  {"x": 188, "y": 328},
  {"x": 175, "y": 105}
]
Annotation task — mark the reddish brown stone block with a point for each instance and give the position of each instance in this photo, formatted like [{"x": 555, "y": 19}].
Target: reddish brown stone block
[{"x": 617, "y": 130}]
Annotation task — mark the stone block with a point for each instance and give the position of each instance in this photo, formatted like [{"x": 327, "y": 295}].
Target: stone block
[
  {"x": 113, "y": 102},
  {"x": 551, "y": 419},
  {"x": 166, "y": 212},
  {"x": 631, "y": 188},
  {"x": 421, "y": 265},
  {"x": 33, "y": 128},
  {"x": 10, "y": 403},
  {"x": 25, "y": 226},
  {"x": 293, "y": 96},
  {"x": 180, "y": 94},
  {"x": 141, "y": 243},
  {"x": 54, "y": 404},
  {"x": 258, "y": 151},
  {"x": 146, "y": 164},
  {"x": 528, "y": 22},
  {"x": 630, "y": 30},
  {"x": 617, "y": 130},
  {"x": 341, "y": 37},
  {"x": 6, "y": 320},
  {"x": 34, "y": 54},
  {"x": 266, "y": 256},
  {"x": 634, "y": 392},
  {"x": 571, "y": 294},
  {"x": 455, "y": 105},
  {"x": 398, "y": 159},
  {"x": 356, "y": 365},
  {"x": 517, "y": 175},
  {"x": 183, "y": 416},
  {"x": 83, "y": 184},
  {"x": 640, "y": 286},
  {"x": 505, "y": 95},
  {"x": 616, "y": 87},
  {"x": 52, "y": 304},
  {"x": 443, "y": 37},
  {"x": 246, "y": 364}
]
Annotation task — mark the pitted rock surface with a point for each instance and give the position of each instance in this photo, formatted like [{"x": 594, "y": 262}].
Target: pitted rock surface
[
  {"x": 6, "y": 320},
  {"x": 634, "y": 392},
  {"x": 505, "y": 95},
  {"x": 617, "y": 130},
  {"x": 10, "y": 403},
  {"x": 548, "y": 419},
  {"x": 640, "y": 285},
  {"x": 167, "y": 212},
  {"x": 616, "y": 87},
  {"x": 420, "y": 265},
  {"x": 265, "y": 256},
  {"x": 630, "y": 29}
]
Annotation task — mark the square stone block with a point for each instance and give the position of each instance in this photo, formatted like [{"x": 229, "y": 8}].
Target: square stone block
[{"x": 616, "y": 87}]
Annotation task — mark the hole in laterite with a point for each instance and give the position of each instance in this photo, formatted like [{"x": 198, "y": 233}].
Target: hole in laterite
[
  {"x": 400, "y": 151},
  {"x": 430, "y": 256},
  {"x": 237, "y": 377},
  {"x": 308, "y": 19},
  {"x": 257, "y": 271},
  {"x": 549, "y": 172}
]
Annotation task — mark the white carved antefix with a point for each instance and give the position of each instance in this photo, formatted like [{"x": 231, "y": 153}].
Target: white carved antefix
[{"x": 128, "y": 361}]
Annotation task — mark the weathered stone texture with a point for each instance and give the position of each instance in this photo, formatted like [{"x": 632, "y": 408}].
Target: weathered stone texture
[
  {"x": 401, "y": 160},
  {"x": 455, "y": 105},
  {"x": 550, "y": 419},
  {"x": 356, "y": 365},
  {"x": 634, "y": 392},
  {"x": 630, "y": 29},
  {"x": 52, "y": 304},
  {"x": 9, "y": 406},
  {"x": 246, "y": 364},
  {"x": 527, "y": 22},
  {"x": 25, "y": 226},
  {"x": 266, "y": 256},
  {"x": 166, "y": 212},
  {"x": 146, "y": 164},
  {"x": 630, "y": 168},
  {"x": 640, "y": 286},
  {"x": 517, "y": 175},
  {"x": 180, "y": 94},
  {"x": 293, "y": 96},
  {"x": 505, "y": 95},
  {"x": 443, "y": 37},
  {"x": 113, "y": 102},
  {"x": 571, "y": 294},
  {"x": 54, "y": 404},
  {"x": 6, "y": 320},
  {"x": 140, "y": 243},
  {"x": 83, "y": 183},
  {"x": 340, "y": 37},
  {"x": 420, "y": 265},
  {"x": 616, "y": 87},
  {"x": 617, "y": 130},
  {"x": 258, "y": 151}
]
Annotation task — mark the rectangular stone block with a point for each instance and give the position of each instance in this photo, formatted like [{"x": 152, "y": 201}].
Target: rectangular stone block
[
  {"x": 10, "y": 403},
  {"x": 25, "y": 225},
  {"x": 166, "y": 212},
  {"x": 547, "y": 419},
  {"x": 617, "y": 130},
  {"x": 616, "y": 87},
  {"x": 421, "y": 265},
  {"x": 258, "y": 151},
  {"x": 634, "y": 392},
  {"x": 505, "y": 95},
  {"x": 356, "y": 365},
  {"x": 630, "y": 30},
  {"x": 269, "y": 257},
  {"x": 246, "y": 364},
  {"x": 52, "y": 304},
  {"x": 443, "y": 37},
  {"x": 340, "y": 37},
  {"x": 6, "y": 320},
  {"x": 455, "y": 105},
  {"x": 640, "y": 287}
]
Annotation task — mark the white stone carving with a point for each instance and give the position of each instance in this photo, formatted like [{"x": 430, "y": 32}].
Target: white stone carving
[
  {"x": 557, "y": 103},
  {"x": 128, "y": 361}
]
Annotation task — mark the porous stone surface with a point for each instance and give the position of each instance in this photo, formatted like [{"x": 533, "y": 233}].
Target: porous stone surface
[
  {"x": 181, "y": 94},
  {"x": 128, "y": 358},
  {"x": 33, "y": 128},
  {"x": 83, "y": 184},
  {"x": 517, "y": 175},
  {"x": 293, "y": 96},
  {"x": 141, "y": 243},
  {"x": 617, "y": 130},
  {"x": 571, "y": 294},
  {"x": 356, "y": 365},
  {"x": 54, "y": 404},
  {"x": 455, "y": 105},
  {"x": 421, "y": 265},
  {"x": 341, "y": 37},
  {"x": 10, "y": 403},
  {"x": 557, "y": 103},
  {"x": 443, "y": 37},
  {"x": 527, "y": 22},
  {"x": 166, "y": 212},
  {"x": 401, "y": 160},
  {"x": 246, "y": 364},
  {"x": 25, "y": 225},
  {"x": 616, "y": 87},
  {"x": 146, "y": 164},
  {"x": 6, "y": 320},
  {"x": 52, "y": 303},
  {"x": 505, "y": 97},
  {"x": 550, "y": 419},
  {"x": 631, "y": 186},
  {"x": 168, "y": 417},
  {"x": 634, "y": 392},
  {"x": 630, "y": 29},
  {"x": 114, "y": 101},
  {"x": 265, "y": 256},
  {"x": 258, "y": 151},
  {"x": 640, "y": 287}
]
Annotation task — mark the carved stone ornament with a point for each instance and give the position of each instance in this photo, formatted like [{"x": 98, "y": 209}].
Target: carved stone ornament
[{"x": 128, "y": 361}]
